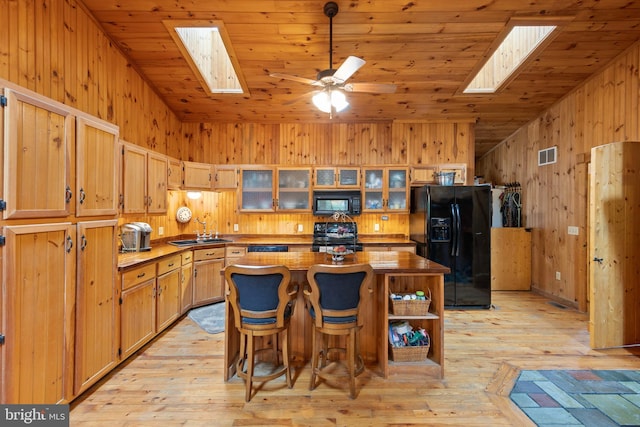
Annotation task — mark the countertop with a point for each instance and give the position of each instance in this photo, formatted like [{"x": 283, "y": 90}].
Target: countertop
[{"x": 160, "y": 249}]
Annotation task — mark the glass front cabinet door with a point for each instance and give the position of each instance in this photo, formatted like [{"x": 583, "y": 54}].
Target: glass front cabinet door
[
  {"x": 294, "y": 189},
  {"x": 385, "y": 189},
  {"x": 256, "y": 194}
]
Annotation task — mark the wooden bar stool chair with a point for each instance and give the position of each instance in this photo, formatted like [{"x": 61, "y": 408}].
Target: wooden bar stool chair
[
  {"x": 333, "y": 298},
  {"x": 262, "y": 301}
]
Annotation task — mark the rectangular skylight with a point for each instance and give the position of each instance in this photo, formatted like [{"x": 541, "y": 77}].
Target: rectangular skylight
[
  {"x": 208, "y": 56},
  {"x": 519, "y": 44}
]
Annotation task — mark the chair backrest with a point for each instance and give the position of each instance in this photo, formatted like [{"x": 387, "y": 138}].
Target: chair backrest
[
  {"x": 335, "y": 292},
  {"x": 259, "y": 295}
]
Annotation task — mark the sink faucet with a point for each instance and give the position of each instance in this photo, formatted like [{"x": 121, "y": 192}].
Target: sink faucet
[{"x": 204, "y": 229}]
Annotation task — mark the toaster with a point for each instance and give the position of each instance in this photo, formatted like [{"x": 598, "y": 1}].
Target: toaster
[{"x": 136, "y": 237}]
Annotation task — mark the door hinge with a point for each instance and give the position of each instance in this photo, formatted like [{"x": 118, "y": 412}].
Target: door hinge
[
  {"x": 120, "y": 300},
  {"x": 3, "y": 205},
  {"x": 3, "y": 101},
  {"x": 1, "y": 339},
  {"x": 119, "y": 352}
]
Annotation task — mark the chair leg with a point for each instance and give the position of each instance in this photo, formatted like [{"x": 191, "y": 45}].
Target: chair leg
[
  {"x": 242, "y": 355},
  {"x": 351, "y": 361},
  {"x": 285, "y": 357},
  {"x": 250, "y": 366},
  {"x": 314, "y": 359}
]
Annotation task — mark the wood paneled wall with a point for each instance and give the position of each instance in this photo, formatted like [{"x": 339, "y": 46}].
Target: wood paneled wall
[
  {"x": 603, "y": 110},
  {"x": 54, "y": 47}
]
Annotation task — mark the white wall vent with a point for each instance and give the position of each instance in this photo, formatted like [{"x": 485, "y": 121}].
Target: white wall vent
[{"x": 547, "y": 156}]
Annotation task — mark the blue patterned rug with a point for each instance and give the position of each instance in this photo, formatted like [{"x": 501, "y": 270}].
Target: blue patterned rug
[{"x": 579, "y": 398}]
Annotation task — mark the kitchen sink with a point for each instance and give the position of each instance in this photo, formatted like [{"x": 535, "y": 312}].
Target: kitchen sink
[{"x": 197, "y": 242}]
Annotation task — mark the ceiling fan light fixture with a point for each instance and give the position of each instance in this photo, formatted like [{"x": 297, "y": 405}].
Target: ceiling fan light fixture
[{"x": 328, "y": 100}]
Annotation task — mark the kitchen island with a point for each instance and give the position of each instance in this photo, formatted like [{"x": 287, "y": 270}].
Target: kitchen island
[{"x": 398, "y": 272}]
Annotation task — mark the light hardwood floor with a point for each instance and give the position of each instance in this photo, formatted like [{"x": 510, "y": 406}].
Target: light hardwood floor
[{"x": 177, "y": 380}]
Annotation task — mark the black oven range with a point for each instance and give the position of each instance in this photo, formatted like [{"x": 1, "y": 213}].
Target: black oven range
[{"x": 327, "y": 235}]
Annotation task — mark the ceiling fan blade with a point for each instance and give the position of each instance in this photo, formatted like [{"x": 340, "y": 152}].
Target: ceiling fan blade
[
  {"x": 296, "y": 79},
  {"x": 370, "y": 87},
  {"x": 348, "y": 67}
]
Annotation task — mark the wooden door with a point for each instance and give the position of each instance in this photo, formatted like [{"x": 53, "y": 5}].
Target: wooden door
[
  {"x": 134, "y": 179},
  {"x": 196, "y": 176},
  {"x": 38, "y": 301},
  {"x": 96, "y": 346},
  {"x": 156, "y": 183},
  {"x": 614, "y": 233},
  {"x": 167, "y": 298},
  {"x": 186, "y": 287},
  {"x": 137, "y": 316},
  {"x": 226, "y": 177},
  {"x": 96, "y": 170},
  {"x": 207, "y": 282},
  {"x": 37, "y": 161},
  {"x": 174, "y": 174}
]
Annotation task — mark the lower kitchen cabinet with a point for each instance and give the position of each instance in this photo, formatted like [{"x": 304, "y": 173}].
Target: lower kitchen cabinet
[
  {"x": 186, "y": 282},
  {"x": 39, "y": 294},
  {"x": 96, "y": 293},
  {"x": 137, "y": 310},
  {"x": 168, "y": 291},
  {"x": 208, "y": 286}
]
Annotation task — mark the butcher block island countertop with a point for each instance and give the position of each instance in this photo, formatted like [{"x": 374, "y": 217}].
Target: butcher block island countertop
[{"x": 396, "y": 272}]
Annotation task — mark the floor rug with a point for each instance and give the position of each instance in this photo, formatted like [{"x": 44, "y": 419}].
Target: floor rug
[
  {"x": 579, "y": 398},
  {"x": 209, "y": 317}
]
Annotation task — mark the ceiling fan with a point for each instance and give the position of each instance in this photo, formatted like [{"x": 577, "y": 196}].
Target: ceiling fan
[{"x": 333, "y": 81}]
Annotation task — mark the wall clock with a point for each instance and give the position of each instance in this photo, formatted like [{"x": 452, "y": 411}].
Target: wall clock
[{"x": 183, "y": 214}]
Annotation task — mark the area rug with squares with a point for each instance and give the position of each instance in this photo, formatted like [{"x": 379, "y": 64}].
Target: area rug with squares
[{"x": 600, "y": 398}]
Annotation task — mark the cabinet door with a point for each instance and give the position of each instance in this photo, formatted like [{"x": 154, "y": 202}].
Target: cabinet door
[
  {"x": 37, "y": 158},
  {"x": 134, "y": 179},
  {"x": 293, "y": 189},
  {"x": 174, "y": 174},
  {"x": 186, "y": 288},
  {"x": 95, "y": 344},
  {"x": 167, "y": 298},
  {"x": 156, "y": 183},
  {"x": 374, "y": 189},
  {"x": 207, "y": 282},
  {"x": 197, "y": 176},
  {"x": 38, "y": 302},
  {"x": 397, "y": 190},
  {"x": 226, "y": 177},
  {"x": 256, "y": 193},
  {"x": 137, "y": 316},
  {"x": 96, "y": 167}
]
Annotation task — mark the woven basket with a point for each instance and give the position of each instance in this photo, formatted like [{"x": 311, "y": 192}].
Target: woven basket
[
  {"x": 409, "y": 353},
  {"x": 412, "y": 307}
]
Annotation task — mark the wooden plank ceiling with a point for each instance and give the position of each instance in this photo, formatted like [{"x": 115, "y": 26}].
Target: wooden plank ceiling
[{"x": 426, "y": 47}]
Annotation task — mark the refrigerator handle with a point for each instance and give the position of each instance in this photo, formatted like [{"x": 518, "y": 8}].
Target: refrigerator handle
[
  {"x": 454, "y": 230},
  {"x": 458, "y": 229}
]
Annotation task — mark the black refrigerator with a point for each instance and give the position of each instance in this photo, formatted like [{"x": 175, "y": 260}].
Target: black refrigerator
[{"x": 451, "y": 225}]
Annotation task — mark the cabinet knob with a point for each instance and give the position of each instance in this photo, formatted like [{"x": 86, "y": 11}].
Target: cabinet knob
[{"x": 598, "y": 260}]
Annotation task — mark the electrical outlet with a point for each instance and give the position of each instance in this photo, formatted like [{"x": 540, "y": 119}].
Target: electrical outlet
[
  {"x": 376, "y": 227},
  {"x": 300, "y": 228},
  {"x": 235, "y": 227},
  {"x": 160, "y": 231},
  {"x": 558, "y": 275},
  {"x": 573, "y": 230}
]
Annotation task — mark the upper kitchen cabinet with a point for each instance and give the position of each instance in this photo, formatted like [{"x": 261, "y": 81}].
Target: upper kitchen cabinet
[
  {"x": 257, "y": 190},
  {"x": 96, "y": 166},
  {"x": 386, "y": 189},
  {"x": 174, "y": 174},
  {"x": 294, "y": 192},
  {"x": 336, "y": 177},
  {"x": 39, "y": 139},
  {"x": 144, "y": 175},
  {"x": 226, "y": 177},
  {"x": 197, "y": 176},
  {"x": 426, "y": 174}
]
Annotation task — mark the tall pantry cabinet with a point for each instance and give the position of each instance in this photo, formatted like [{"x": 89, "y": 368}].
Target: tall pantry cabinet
[{"x": 58, "y": 245}]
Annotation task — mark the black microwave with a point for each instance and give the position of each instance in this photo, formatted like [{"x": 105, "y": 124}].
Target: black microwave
[{"x": 328, "y": 202}]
